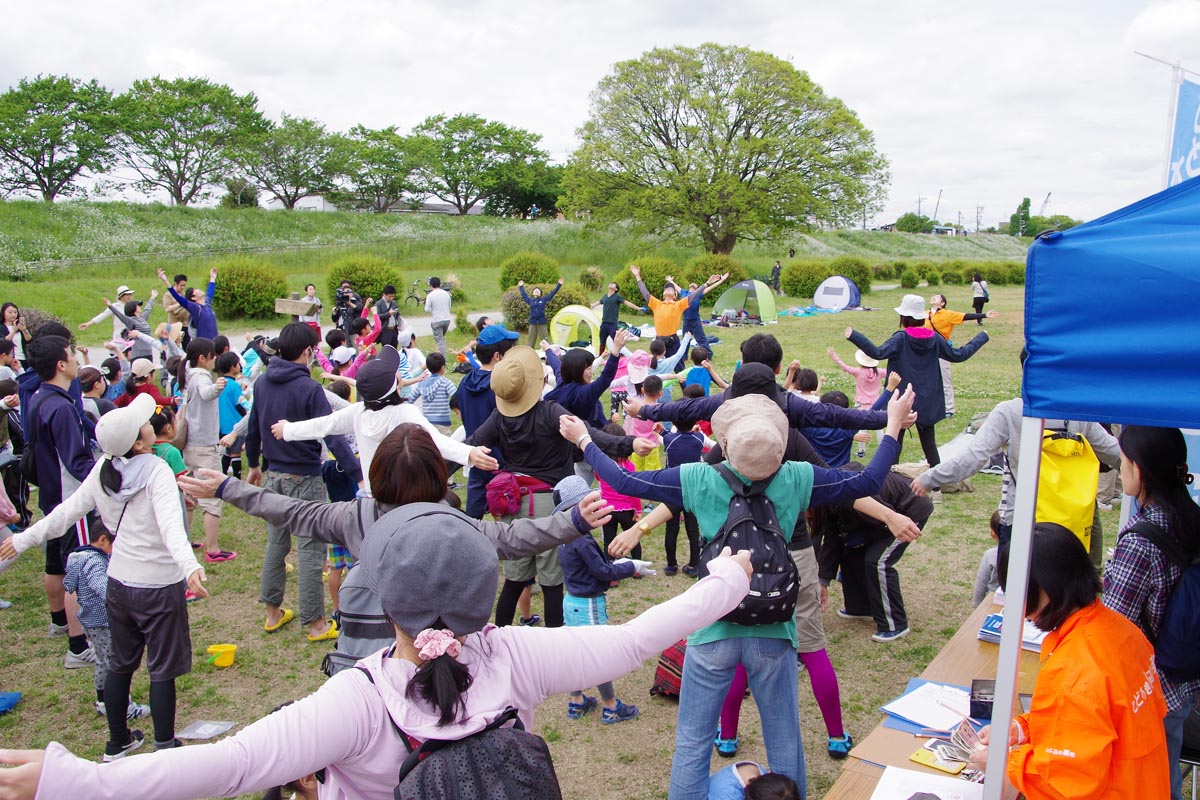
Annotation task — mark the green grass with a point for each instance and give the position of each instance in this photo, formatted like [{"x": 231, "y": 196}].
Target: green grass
[{"x": 593, "y": 761}]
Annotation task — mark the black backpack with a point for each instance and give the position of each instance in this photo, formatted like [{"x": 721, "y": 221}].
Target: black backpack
[
  {"x": 28, "y": 463},
  {"x": 752, "y": 525},
  {"x": 497, "y": 763},
  {"x": 1177, "y": 648}
]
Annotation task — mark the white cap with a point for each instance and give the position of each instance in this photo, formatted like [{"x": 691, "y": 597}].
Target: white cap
[{"x": 117, "y": 430}]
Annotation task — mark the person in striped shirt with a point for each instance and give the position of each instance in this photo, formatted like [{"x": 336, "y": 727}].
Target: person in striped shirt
[{"x": 436, "y": 391}]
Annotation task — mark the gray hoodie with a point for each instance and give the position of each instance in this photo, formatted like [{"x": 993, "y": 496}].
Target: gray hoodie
[{"x": 200, "y": 405}]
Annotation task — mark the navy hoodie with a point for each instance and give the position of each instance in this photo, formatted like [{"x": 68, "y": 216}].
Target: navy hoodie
[
  {"x": 537, "y": 305},
  {"x": 287, "y": 391},
  {"x": 475, "y": 399}
]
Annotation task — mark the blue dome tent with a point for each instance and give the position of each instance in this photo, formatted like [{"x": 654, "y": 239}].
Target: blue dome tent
[{"x": 837, "y": 292}]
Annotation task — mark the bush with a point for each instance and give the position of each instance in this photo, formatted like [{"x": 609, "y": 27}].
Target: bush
[
  {"x": 35, "y": 318},
  {"x": 883, "y": 272},
  {"x": 701, "y": 268},
  {"x": 933, "y": 278},
  {"x": 1016, "y": 273},
  {"x": 367, "y": 275},
  {"x": 802, "y": 278},
  {"x": 952, "y": 277},
  {"x": 453, "y": 284},
  {"x": 591, "y": 278},
  {"x": 516, "y": 312},
  {"x": 923, "y": 268},
  {"x": 530, "y": 267},
  {"x": 853, "y": 268},
  {"x": 909, "y": 278},
  {"x": 655, "y": 270},
  {"x": 247, "y": 287},
  {"x": 462, "y": 324}
]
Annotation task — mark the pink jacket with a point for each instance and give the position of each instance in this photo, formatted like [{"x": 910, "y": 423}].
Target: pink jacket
[
  {"x": 620, "y": 502},
  {"x": 867, "y": 382},
  {"x": 346, "y": 725}
]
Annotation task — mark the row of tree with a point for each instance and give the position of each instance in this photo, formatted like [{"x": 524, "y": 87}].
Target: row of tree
[
  {"x": 714, "y": 144},
  {"x": 185, "y": 135}
]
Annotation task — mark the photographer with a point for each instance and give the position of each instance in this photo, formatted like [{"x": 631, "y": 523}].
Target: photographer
[{"x": 348, "y": 305}]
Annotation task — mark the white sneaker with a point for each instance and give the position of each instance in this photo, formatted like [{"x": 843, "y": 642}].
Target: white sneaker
[
  {"x": 134, "y": 710},
  {"x": 56, "y": 630},
  {"x": 936, "y": 496},
  {"x": 79, "y": 660}
]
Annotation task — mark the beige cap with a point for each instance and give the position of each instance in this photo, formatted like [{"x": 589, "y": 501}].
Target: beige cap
[
  {"x": 752, "y": 431},
  {"x": 141, "y": 367},
  {"x": 517, "y": 381}
]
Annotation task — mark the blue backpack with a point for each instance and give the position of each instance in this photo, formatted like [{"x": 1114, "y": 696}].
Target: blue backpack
[{"x": 1177, "y": 648}]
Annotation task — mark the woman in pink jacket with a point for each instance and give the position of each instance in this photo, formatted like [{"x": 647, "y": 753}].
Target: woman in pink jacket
[{"x": 436, "y": 577}]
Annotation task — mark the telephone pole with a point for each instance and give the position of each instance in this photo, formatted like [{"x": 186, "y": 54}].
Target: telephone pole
[{"x": 978, "y": 217}]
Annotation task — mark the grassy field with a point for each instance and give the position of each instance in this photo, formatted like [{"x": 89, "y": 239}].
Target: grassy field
[{"x": 594, "y": 762}]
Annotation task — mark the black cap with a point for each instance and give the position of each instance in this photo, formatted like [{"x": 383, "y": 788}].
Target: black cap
[{"x": 377, "y": 378}]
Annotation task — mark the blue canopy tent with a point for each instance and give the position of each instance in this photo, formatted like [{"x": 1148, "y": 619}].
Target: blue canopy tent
[{"x": 1111, "y": 328}]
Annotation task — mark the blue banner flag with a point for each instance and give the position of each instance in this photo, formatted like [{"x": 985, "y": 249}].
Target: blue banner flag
[{"x": 1185, "y": 138}]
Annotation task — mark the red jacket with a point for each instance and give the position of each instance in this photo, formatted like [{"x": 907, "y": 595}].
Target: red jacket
[
  {"x": 1095, "y": 728},
  {"x": 145, "y": 388}
]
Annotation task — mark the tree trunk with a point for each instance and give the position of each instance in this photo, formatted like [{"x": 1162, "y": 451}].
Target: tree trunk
[{"x": 48, "y": 195}]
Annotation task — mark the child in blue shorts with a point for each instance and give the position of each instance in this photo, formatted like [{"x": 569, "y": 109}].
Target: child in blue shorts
[{"x": 587, "y": 574}]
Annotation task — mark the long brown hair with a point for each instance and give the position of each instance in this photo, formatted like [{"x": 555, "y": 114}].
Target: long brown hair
[{"x": 408, "y": 468}]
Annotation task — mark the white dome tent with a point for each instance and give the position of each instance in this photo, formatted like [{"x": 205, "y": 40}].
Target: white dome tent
[{"x": 836, "y": 293}]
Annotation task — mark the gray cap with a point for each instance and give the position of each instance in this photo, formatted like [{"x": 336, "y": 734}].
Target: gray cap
[
  {"x": 569, "y": 492},
  {"x": 427, "y": 562}
]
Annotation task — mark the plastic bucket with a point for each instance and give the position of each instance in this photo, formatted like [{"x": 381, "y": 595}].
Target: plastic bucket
[{"x": 221, "y": 655}]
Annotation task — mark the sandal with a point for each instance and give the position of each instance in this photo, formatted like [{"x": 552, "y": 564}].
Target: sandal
[
  {"x": 330, "y": 634},
  {"x": 288, "y": 616}
]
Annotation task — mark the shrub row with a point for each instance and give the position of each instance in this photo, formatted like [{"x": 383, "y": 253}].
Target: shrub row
[{"x": 801, "y": 278}]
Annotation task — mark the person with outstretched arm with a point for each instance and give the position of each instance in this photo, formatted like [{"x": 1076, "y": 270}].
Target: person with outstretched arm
[
  {"x": 198, "y": 306},
  {"x": 753, "y": 432},
  {"x": 691, "y": 314},
  {"x": 668, "y": 312}
]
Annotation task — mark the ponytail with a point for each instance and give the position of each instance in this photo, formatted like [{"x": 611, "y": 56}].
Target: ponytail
[
  {"x": 110, "y": 476},
  {"x": 197, "y": 349},
  {"x": 441, "y": 682},
  {"x": 131, "y": 384}
]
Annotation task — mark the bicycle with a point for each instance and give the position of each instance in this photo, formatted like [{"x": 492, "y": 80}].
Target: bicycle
[{"x": 416, "y": 293}]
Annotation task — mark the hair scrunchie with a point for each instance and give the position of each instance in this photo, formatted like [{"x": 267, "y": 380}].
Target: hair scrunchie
[
  {"x": 431, "y": 644},
  {"x": 1184, "y": 475}
]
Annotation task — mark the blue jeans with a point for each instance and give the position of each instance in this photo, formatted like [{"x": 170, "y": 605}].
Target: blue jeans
[
  {"x": 696, "y": 329},
  {"x": 1173, "y": 723},
  {"x": 707, "y": 672}
]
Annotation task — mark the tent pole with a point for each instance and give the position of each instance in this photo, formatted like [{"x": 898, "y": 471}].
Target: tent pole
[{"x": 1017, "y": 582}]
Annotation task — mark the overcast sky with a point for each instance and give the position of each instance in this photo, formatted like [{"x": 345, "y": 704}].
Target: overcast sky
[{"x": 989, "y": 104}]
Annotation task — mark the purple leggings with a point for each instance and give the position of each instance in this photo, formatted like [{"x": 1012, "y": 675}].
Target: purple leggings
[{"x": 824, "y": 686}]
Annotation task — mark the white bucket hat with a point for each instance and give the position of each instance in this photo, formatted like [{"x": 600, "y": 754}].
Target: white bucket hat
[{"x": 913, "y": 305}]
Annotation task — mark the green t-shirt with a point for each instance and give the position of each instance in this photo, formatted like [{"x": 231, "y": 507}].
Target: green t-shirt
[
  {"x": 170, "y": 454},
  {"x": 706, "y": 495}
]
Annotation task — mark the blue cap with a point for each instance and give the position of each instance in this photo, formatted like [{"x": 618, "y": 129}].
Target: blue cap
[{"x": 495, "y": 333}]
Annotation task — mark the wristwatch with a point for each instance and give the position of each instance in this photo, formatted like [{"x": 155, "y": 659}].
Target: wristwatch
[{"x": 643, "y": 528}]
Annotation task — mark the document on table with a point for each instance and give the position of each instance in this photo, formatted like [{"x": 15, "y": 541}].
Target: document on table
[
  {"x": 906, "y": 784},
  {"x": 932, "y": 705}
]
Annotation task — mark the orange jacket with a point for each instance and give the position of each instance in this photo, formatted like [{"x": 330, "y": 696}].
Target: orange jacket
[
  {"x": 667, "y": 315},
  {"x": 1095, "y": 727},
  {"x": 944, "y": 321}
]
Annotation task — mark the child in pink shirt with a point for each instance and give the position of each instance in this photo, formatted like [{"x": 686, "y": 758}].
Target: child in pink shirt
[
  {"x": 868, "y": 378},
  {"x": 626, "y": 509}
]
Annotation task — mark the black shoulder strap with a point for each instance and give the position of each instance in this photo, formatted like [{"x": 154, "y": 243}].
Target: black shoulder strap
[
  {"x": 739, "y": 488},
  {"x": 409, "y": 741},
  {"x": 433, "y": 745},
  {"x": 1163, "y": 541}
]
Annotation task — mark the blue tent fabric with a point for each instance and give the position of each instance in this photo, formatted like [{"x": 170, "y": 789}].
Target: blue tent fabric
[{"x": 1112, "y": 316}]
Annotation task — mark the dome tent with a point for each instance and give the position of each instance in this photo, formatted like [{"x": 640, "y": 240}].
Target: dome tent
[
  {"x": 753, "y": 297},
  {"x": 575, "y": 324},
  {"x": 837, "y": 292}
]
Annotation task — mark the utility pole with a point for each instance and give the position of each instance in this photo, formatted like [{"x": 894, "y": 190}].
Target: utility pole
[
  {"x": 920, "y": 199},
  {"x": 937, "y": 206},
  {"x": 960, "y": 220},
  {"x": 978, "y": 217}
]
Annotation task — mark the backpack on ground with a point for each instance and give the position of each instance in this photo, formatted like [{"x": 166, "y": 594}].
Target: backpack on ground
[
  {"x": 669, "y": 673},
  {"x": 1067, "y": 483},
  {"x": 363, "y": 628},
  {"x": 496, "y": 763},
  {"x": 1177, "y": 648},
  {"x": 752, "y": 525},
  {"x": 505, "y": 490}
]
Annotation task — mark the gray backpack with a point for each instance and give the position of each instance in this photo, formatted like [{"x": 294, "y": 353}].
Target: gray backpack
[{"x": 363, "y": 627}]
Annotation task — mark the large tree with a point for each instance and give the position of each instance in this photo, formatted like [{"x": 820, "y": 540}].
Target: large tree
[
  {"x": 464, "y": 157},
  {"x": 377, "y": 167},
  {"x": 53, "y": 130},
  {"x": 723, "y": 144},
  {"x": 522, "y": 186},
  {"x": 294, "y": 159},
  {"x": 180, "y": 135}
]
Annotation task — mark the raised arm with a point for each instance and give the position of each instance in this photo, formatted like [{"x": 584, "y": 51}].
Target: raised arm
[
  {"x": 659, "y": 485},
  {"x": 957, "y": 354},
  {"x": 880, "y": 352},
  {"x": 554, "y": 291},
  {"x": 521, "y": 289},
  {"x": 803, "y": 414}
]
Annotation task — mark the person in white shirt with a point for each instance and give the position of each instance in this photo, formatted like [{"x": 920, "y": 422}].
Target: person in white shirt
[
  {"x": 314, "y": 321},
  {"x": 124, "y": 295},
  {"x": 437, "y": 305}
]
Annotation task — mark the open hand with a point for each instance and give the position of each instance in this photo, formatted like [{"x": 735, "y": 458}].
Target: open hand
[
  {"x": 618, "y": 341},
  {"x": 849, "y": 331},
  {"x": 479, "y": 458},
  {"x": 595, "y": 510},
  {"x": 899, "y": 410},
  {"x": 572, "y": 428},
  {"x": 20, "y": 780},
  {"x": 741, "y": 558},
  {"x": 201, "y": 483},
  {"x": 196, "y": 581}
]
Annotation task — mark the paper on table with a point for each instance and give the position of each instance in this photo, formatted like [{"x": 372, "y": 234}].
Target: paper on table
[
  {"x": 906, "y": 784},
  {"x": 932, "y": 705}
]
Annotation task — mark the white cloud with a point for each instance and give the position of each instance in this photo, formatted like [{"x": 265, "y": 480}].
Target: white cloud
[{"x": 987, "y": 102}]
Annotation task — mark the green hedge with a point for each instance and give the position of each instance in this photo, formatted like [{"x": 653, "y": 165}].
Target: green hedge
[
  {"x": 591, "y": 279},
  {"x": 701, "y": 268},
  {"x": 367, "y": 275},
  {"x": 247, "y": 287},
  {"x": 802, "y": 278},
  {"x": 528, "y": 266},
  {"x": 909, "y": 278}
]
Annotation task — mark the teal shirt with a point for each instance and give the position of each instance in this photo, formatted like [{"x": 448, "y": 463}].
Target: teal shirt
[{"x": 706, "y": 495}]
